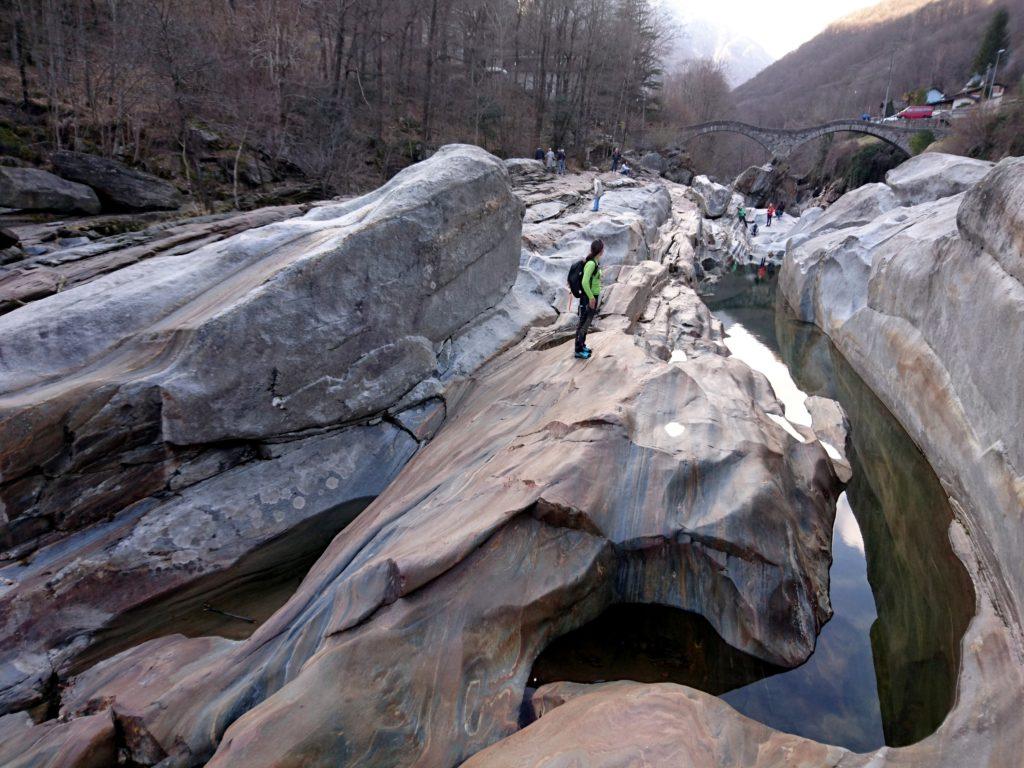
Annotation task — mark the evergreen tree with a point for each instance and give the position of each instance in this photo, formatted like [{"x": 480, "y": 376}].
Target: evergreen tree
[{"x": 996, "y": 37}]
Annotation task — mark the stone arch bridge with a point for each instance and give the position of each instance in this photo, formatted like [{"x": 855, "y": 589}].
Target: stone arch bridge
[{"x": 781, "y": 143}]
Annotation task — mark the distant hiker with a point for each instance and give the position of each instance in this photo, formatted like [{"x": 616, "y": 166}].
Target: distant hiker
[
  {"x": 741, "y": 214},
  {"x": 753, "y": 230},
  {"x": 780, "y": 210},
  {"x": 539, "y": 154},
  {"x": 616, "y": 159},
  {"x": 550, "y": 159},
  {"x": 590, "y": 284},
  {"x": 561, "y": 161},
  {"x": 771, "y": 212},
  {"x": 625, "y": 169},
  {"x": 598, "y": 191}
]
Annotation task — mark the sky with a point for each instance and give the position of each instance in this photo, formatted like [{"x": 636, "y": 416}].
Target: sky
[{"x": 779, "y": 26}]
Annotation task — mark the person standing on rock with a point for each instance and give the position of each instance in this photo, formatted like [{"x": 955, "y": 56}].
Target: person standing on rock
[
  {"x": 741, "y": 214},
  {"x": 561, "y": 162},
  {"x": 598, "y": 191},
  {"x": 550, "y": 159},
  {"x": 771, "y": 212},
  {"x": 591, "y": 297},
  {"x": 780, "y": 210},
  {"x": 616, "y": 159}
]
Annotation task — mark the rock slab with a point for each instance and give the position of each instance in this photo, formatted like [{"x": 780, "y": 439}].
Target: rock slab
[{"x": 118, "y": 186}]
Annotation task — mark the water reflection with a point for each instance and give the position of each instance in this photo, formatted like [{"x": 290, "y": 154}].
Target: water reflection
[
  {"x": 231, "y": 603},
  {"x": 923, "y": 594},
  {"x": 884, "y": 669}
]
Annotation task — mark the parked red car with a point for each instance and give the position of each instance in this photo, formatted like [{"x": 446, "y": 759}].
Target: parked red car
[{"x": 915, "y": 113}]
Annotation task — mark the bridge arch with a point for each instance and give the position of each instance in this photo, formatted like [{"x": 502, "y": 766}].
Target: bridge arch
[{"x": 781, "y": 143}]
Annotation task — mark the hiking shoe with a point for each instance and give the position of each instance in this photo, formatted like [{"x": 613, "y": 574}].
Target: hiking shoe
[
  {"x": 584, "y": 355},
  {"x": 588, "y": 350}
]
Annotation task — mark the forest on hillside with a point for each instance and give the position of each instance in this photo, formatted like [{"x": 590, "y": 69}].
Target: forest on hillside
[
  {"x": 320, "y": 97},
  {"x": 844, "y": 71},
  {"x": 343, "y": 91}
]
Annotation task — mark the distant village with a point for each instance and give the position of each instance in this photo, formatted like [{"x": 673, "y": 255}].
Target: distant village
[{"x": 981, "y": 91}]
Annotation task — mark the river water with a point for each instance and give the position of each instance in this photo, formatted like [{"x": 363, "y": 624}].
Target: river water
[{"x": 885, "y": 667}]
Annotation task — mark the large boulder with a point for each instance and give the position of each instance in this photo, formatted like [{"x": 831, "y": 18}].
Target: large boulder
[
  {"x": 932, "y": 175},
  {"x": 660, "y": 725},
  {"x": 653, "y": 161},
  {"x": 297, "y": 325},
  {"x": 119, "y": 187},
  {"x": 713, "y": 198},
  {"x": 764, "y": 184},
  {"x": 33, "y": 189},
  {"x": 926, "y": 302},
  {"x": 991, "y": 216},
  {"x": 505, "y": 531}
]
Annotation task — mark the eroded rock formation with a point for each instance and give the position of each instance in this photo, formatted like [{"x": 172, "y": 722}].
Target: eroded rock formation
[
  {"x": 655, "y": 472},
  {"x": 926, "y": 302}
]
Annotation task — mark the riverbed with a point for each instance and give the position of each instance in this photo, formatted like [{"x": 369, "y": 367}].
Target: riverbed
[{"x": 885, "y": 666}]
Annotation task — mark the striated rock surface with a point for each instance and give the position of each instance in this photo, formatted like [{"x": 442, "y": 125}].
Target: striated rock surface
[
  {"x": 264, "y": 334},
  {"x": 33, "y": 278},
  {"x": 508, "y": 529},
  {"x": 33, "y": 189},
  {"x": 926, "y": 303},
  {"x": 118, "y": 186},
  {"x": 53, "y": 604},
  {"x": 660, "y": 725},
  {"x": 549, "y": 490},
  {"x": 932, "y": 175}
]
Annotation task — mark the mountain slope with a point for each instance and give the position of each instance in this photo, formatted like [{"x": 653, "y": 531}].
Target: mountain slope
[
  {"x": 842, "y": 72},
  {"x": 741, "y": 57}
]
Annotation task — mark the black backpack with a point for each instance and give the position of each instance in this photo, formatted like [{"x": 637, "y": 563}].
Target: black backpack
[{"x": 576, "y": 278}]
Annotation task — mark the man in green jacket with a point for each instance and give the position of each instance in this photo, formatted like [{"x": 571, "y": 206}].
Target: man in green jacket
[{"x": 591, "y": 297}]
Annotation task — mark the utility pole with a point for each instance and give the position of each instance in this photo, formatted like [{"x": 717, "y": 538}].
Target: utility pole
[
  {"x": 992, "y": 83},
  {"x": 888, "y": 85}
]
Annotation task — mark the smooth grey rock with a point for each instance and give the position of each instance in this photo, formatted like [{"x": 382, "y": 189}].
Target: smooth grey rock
[
  {"x": 861, "y": 206},
  {"x": 423, "y": 420},
  {"x": 713, "y": 198},
  {"x": 991, "y": 216},
  {"x": 33, "y": 189},
  {"x": 654, "y": 162},
  {"x": 932, "y": 175},
  {"x": 307, "y": 323},
  {"x": 927, "y": 305},
  {"x": 118, "y": 186}
]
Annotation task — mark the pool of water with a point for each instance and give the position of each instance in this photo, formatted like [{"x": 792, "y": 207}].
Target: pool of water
[
  {"x": 231, "y": 603},
  {"x": 885, "y": 667}
]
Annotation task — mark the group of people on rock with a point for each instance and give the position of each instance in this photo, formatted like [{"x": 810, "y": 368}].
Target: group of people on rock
[
  {"x": 554, "y": 160},
  {"x": 772, "y": 212}
]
